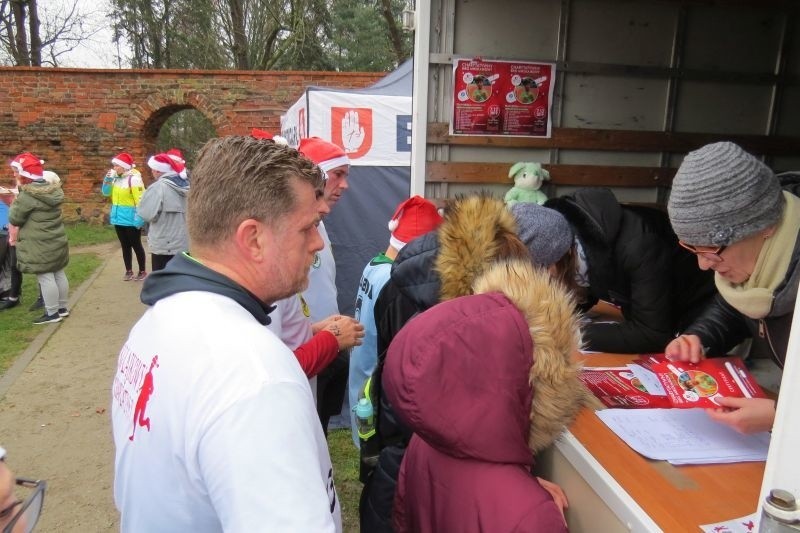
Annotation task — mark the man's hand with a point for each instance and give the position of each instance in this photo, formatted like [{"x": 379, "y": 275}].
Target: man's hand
[
  {"x": 745, "y": 415},
  {"x": 348, "y": 331},
  {"x": 352, "y": 133},
  {"x": 685, "y": 348}
]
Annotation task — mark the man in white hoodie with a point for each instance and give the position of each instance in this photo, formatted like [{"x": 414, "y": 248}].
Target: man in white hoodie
[{"x": 213, "y": 419}]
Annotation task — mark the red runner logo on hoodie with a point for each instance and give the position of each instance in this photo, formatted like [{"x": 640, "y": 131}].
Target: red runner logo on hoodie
[{"x": 144, "y": 396}]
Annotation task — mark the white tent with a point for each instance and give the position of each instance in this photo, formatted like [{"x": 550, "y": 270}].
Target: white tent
[{"x": 373, "y": 125}]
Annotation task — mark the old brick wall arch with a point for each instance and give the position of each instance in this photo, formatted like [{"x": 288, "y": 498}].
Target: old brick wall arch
[{"x": 77, "y": 119}]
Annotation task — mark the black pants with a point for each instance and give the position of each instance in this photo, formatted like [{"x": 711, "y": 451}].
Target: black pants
[
  {"x": 130, "y": 238},
  {"x": 331, "y": 388},
  {"x": 8, "y": 255},
  {"x": 159, "y": 261}
]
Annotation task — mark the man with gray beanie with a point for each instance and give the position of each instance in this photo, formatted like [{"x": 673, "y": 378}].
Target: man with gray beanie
[
  {"x": 627, "y": 255},
  {"x": 742, "y": 222}
]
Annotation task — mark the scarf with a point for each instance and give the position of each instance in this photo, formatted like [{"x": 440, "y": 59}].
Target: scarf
[{"x": 753, "y": 298}]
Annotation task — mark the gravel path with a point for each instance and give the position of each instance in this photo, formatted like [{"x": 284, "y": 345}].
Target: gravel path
[{"x": 54, "y": 401}]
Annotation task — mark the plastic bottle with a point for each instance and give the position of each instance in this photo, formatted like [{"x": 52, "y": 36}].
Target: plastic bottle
[
  {"x": 780, "y": 513},
  {"x": 365, "y": 418}
]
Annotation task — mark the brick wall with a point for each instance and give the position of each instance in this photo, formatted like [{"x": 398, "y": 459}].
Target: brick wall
[{"x": 77, "y": 119}]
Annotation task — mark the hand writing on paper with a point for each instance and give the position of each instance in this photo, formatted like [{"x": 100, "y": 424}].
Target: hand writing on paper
[
  {"x": 745, "y": 415},
  {"x": 352, "y": 133}
]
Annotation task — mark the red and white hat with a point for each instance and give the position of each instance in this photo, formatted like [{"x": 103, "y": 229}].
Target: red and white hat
[
  {"x": 176, "y": 155},
  {"x": 326, "y": 155},
  {"x": 164, "y": 163},
  {"x": 263, "y": 134},
  {"x": 16, "y": 164},
  {"x": 29, "y": 166},
  {"x": 123, "y": 159},
  {"x": 413, "y": 218}
]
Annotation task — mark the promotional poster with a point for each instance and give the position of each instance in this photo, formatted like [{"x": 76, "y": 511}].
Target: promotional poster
[{"x": 502, "y": 98}]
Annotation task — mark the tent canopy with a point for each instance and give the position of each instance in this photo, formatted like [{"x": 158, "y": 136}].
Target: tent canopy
[{"x": 373, "y": 126}]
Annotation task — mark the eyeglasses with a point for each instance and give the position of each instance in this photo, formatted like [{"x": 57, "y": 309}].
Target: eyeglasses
[
  {"x": 711, "y": 253},
  {"x": 29, "y": 509}
]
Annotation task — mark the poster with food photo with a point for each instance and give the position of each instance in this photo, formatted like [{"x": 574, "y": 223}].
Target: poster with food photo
[{"x": 493, "y": 97}]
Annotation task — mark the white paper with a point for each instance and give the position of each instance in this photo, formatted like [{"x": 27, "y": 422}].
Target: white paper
[
  {"x": 685, "y": 436},
  {"x": 648, "y": 379},
  {"x": 745, "y": 524}
]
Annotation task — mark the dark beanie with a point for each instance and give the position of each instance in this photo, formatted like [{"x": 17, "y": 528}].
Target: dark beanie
[
  {"x": 721, "y": 194},
  {"x": 545, "y": 232}
]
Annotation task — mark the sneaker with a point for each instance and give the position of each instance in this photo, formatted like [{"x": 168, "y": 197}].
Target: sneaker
[
  {"x": 48, "y": 319},
  {"x": 63, "y": 312},
  {"x": 38, "y": 304},
  {"x": 8, "y": 303},
  {"x": 140, "y": 276},
  {"x": 128, "y": 275}
]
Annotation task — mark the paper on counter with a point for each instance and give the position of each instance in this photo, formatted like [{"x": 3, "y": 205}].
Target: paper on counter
[
  {"x": 745, "y": 524},
  {"x": 683, "y": 436}
]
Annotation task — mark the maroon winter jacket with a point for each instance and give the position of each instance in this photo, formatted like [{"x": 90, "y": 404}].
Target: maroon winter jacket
[{"x": 460, "y": 376}]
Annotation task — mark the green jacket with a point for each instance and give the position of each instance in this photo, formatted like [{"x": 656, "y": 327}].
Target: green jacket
[{"x": 42, "y": 241}]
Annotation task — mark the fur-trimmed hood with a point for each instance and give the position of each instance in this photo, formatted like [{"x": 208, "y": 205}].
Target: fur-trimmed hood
[
  {"x": 489, "y": 377},
  {"x": 444, "y": 263},
  {"x": 475, "y": 232},
  {"x": 553, "y": 323}
]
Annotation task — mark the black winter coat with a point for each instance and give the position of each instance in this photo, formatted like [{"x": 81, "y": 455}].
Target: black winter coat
[{"x": 634, "y": 262}]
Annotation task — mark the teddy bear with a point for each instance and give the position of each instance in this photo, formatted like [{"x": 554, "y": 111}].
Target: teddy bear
[{"x": 528, "y": 177}]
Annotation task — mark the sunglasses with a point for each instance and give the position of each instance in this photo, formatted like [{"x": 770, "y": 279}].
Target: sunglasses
[
  {"x": 28, "y": 510},
  {"x": 712, "y": 253}
]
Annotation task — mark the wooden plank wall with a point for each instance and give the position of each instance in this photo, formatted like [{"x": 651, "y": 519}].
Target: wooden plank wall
[{"x": 591, "y": 139}]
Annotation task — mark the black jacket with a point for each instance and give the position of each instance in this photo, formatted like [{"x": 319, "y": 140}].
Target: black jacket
[
  {"x": 722, "y": 327},
  {"x": 635, "y": 262}
]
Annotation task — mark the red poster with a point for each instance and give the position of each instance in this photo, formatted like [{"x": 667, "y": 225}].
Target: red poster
[{"x": 502, "y": 98}]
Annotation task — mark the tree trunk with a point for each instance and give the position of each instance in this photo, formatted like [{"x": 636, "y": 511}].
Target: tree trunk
[
  {"x": 395, "y": 38},
  {"x": 36, "y": 41},
  {"x": 23, "y": 57},
  {"x": 240, "y": 55}
]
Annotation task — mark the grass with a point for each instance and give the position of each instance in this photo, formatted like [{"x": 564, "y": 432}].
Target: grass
[
  {"x": 16, "y": 324},
  {"x": 345, "y": 473},
  {"x": 82, "y": 234}
]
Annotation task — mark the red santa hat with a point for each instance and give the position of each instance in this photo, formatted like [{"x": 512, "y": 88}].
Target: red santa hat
[
  {"x": 164, "y": 163},
  {"x": 16, "y": 164},
  {"x": 263, "y": 134},
  {"x": 176, "y": 155},
  {"x": 29, "y": 166},
  {"x": 123, "y": 159},
  {"x": 326, "y": 155},
  {"x": 413, "y": 218}
]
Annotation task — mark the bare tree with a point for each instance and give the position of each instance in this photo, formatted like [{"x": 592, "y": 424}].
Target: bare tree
[{"x": 30, "y": 36}]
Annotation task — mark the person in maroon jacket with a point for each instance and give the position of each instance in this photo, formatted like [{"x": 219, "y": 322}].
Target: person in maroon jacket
[{"x": 485, "y": 382}]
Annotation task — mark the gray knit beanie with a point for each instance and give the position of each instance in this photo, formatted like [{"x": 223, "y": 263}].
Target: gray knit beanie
[
  {"x": 544, "y": 231},
  {"x": 721, "y": 194}
]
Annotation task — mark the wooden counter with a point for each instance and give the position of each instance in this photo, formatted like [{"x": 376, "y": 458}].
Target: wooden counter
[{"x": 640, "y": 494}]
